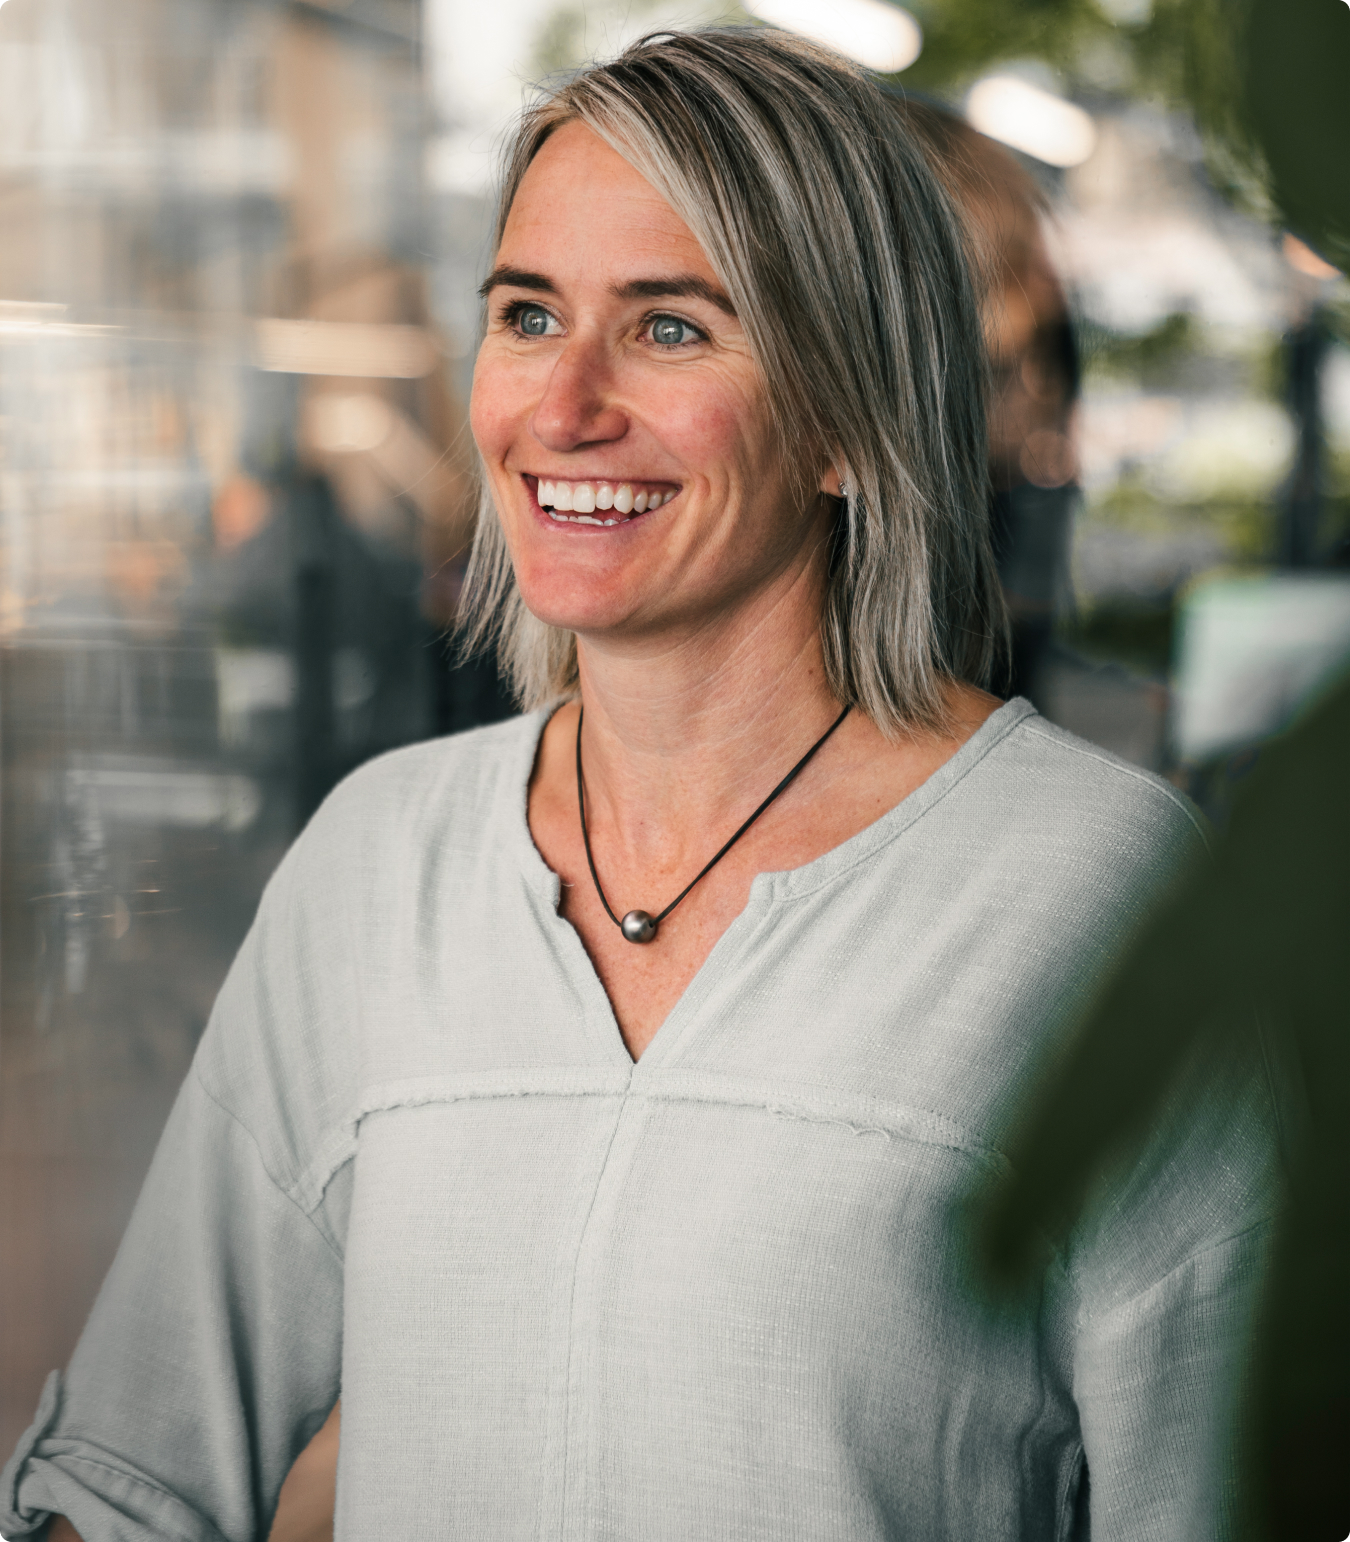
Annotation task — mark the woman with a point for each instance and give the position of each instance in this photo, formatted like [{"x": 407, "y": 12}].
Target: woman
[{"x": 612, "y": 1219}]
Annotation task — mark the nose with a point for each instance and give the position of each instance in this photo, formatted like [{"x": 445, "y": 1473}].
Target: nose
[{"x": 577, "y": 408}]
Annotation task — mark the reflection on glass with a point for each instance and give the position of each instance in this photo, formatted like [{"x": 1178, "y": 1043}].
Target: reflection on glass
[{"x": 233, "y": 493}]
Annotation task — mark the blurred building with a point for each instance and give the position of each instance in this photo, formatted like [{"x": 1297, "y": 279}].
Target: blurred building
[{"x": 233, "y": 489}]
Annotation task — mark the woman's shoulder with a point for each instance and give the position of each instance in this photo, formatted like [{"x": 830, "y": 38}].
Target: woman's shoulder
[
  {"x": 342, "y": 904},
  {"x": 456, "y": 781},
  {"x": 1045, "y": 784}
]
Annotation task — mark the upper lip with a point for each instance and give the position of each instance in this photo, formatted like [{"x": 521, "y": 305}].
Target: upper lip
[{"x": 606, "y": 476}]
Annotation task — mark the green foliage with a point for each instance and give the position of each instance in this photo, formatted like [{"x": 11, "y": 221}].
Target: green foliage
[
  {"x": 1338, "y": 473},
  {"x": 1245, "y": 527},
  {"x": 574, "y": 34},
  {"x": 1136, "y": 634},
  {"x": 964, "y": 37},
  {"x": 1265, "y": 81},
  {"x": 1148, "y": 357}
]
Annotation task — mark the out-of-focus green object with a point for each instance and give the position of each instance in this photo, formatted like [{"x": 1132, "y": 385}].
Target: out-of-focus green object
[
  {"x": 1296, "y": 101},
  {"x": 1266, "y": 924},
  {"x": 1268, "y": 83}
]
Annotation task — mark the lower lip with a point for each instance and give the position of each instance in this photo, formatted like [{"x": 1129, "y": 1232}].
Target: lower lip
[{"x": 626, "y": 523}]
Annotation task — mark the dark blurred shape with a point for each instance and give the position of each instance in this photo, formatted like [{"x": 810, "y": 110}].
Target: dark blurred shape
[
  {"x": 315, "y": 606},
  {"x": 1306, "y": 348},
  {"x": 1035, "y": 376},
  {"x": 470, "y": 692},
  {"x": 1295, "y": 65},
  {"x": 1265, "y": 923},
  {"x": 1267, "y": 81}
]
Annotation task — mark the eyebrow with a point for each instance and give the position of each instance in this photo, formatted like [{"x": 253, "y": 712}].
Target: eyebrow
[
  {"x": 676, "y": 286},
  {"x": 683, "y": 286},
  {"x": 517, "y": 278}
]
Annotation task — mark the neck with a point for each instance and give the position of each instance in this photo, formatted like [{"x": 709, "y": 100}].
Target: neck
[{"x": 687, "y": 732}]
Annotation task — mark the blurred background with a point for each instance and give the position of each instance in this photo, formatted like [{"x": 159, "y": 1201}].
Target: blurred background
[{"x": 239, "y": 242}]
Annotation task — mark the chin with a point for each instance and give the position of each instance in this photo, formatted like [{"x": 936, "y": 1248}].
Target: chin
[{"x": 574, "y": 608}]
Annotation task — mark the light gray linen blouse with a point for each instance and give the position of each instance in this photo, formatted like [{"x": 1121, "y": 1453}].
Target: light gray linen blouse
[{"x": 721, "y": 1294}]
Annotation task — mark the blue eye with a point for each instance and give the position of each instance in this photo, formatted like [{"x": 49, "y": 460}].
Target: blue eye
[
  {"x": 670, "y": 331},
  {"x": 533, "y": 320}
]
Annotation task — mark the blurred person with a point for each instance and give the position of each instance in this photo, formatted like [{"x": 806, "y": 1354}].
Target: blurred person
[
  {"x": 1264, "y": 925},
  {"x": 1033, "y": 356},
  {"x": 598, "y": 1099}
]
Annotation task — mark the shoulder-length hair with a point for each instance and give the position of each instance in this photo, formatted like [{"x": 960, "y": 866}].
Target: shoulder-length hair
[{"x": 844, "y": 261}]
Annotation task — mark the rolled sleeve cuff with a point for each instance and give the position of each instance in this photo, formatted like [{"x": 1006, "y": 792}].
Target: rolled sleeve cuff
[
  {"x": 60, "y": 1476},
  {"x": 18, "y": 1519}
]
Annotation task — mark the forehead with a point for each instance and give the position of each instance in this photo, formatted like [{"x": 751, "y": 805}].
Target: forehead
[{"x": 581, "y": 202}]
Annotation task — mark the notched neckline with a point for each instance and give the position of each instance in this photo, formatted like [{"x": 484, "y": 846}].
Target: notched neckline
[{"x": 766, "y": 888}]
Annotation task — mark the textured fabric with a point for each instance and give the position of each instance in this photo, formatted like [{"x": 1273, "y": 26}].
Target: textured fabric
[{"x": 723, "y": 1294}]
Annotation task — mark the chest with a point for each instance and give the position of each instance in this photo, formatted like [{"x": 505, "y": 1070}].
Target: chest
[
  {"x": 643, "y": 982},
  {"x": 726, "y": 1287},
  {"x": 550, "y": 1284}
]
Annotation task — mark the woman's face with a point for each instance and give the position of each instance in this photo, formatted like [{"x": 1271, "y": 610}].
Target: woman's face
[{"x": 623, "y": 423}]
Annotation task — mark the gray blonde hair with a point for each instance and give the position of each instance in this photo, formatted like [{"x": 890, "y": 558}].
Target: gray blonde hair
[{"x": 844, "y": 261}]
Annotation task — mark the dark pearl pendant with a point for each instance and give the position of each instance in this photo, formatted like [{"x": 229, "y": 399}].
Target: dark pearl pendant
[{"x": 638, "y": 926}]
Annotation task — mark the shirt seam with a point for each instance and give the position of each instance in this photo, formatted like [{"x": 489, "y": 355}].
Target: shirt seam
[
  {"x": 1157, "y": 788},
  {"x": 1068, "y": 1494},
  {"x": 790, "y": 892},
  {"x": 281, "y": 1188},
  {"x": 860, "y": 1114},
  {"x": 570, "y": 1482},
  {"x": 834, "y": 1112},
  {"x": 1193, "y": 1258}
]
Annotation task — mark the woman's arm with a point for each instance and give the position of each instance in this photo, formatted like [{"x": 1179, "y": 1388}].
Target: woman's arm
[
  {"x": 213, "y": 1351},
  {"x": 306, "y": 1507},
  {"x": 211, "y": 1357}
]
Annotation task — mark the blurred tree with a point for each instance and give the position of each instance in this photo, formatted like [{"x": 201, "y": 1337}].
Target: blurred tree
[
  {"x": 577, "y": 31},
  {"x": 962, "y": 38}
]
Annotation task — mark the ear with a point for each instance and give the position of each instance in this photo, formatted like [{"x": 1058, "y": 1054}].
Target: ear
[{"x": 832, "y": 482}]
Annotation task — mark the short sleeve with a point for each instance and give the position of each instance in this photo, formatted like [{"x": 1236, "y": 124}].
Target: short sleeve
[
  {"x": 213, "y": 1350},
  {"x": 1170, "y": 1270},
  {"x": 210, "y": 1358},
  {"x": 1158, "y": 1385}
]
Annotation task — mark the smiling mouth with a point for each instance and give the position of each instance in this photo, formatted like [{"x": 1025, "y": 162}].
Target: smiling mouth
[{"x": 599, "y": 503}]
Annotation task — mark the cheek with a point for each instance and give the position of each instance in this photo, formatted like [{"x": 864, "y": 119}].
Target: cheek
[
  {"x": 496, "y": 405},
  {"x": 721, "y": 431}
]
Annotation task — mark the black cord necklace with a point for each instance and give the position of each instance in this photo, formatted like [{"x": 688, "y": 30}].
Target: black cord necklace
[{"x": 637, "y": 925}]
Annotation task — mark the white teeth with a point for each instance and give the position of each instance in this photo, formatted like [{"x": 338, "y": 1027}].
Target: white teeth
[
  {"x": 586, "y": 497},
  {"x": 582, "y": 519}
]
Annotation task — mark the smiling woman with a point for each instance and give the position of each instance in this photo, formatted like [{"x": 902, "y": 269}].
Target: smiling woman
[
  {"x": 669, "y": 1241},
  {"x": 826, "y": 360}
]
